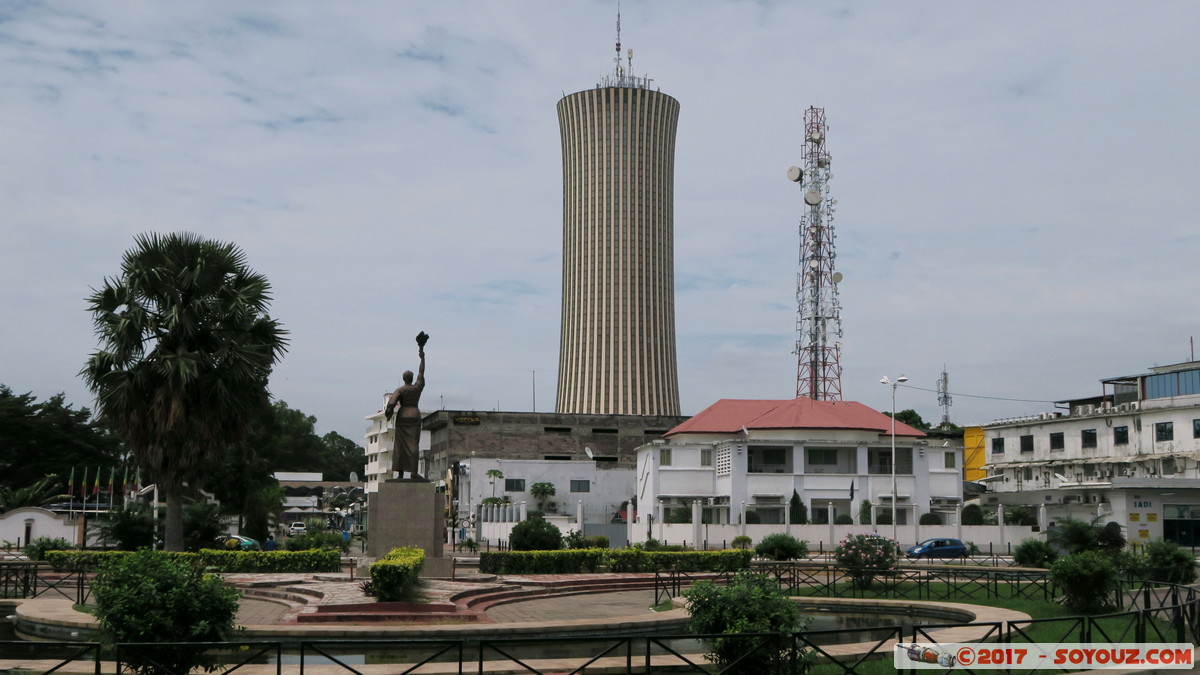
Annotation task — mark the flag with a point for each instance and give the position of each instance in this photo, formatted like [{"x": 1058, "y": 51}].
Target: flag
[
  {"x": 83, "y": 485},
  {"x": 125, "y": 480},
  {"x": 112, "y": 474},
  {"x": 851, "y": 490},
  {"x": 71, "y": 483},
  {"x": 137, "y": 483},
  {"x": 96, "y": 485}
]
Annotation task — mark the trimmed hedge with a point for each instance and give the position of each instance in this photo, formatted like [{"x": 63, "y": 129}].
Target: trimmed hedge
[
  {"x": 222, "y": 561},
  {"x": 571, "y": 561},
  {"x": 394, "y": 576},
  {"x": 575, "y": 561}
]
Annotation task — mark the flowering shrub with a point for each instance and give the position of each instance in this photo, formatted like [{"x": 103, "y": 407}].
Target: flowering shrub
[{"x": 866, "y": 555}]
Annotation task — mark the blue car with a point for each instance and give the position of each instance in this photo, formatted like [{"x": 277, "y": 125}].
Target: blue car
[{"x": 938, "y": 548}]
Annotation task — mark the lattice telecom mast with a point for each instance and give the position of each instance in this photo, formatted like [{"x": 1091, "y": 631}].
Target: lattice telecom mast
[
  {"x": 819, "y": 370},
  {"x": 944, "y": 399}
]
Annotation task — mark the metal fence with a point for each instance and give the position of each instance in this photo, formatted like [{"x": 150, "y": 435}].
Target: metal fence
[{"x": 31, "y": 580}]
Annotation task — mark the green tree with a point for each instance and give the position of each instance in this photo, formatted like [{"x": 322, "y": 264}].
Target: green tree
[
  {"x": 751, "y": 603},
  {"x": 186, "y": 347},
  {"x": 149, "y": 597},
  {"x": 128, "y": 528},
  {"x": 781, "y": 546},
  {"x": 865, "y": 556},
  {"x": 541, "y": 492},
  {"x": 972, "y": 514},
  {"x": 41, "y": 438},
  {"x": 342, "y": 457},
  {"x": 493, "y": 476},
  {"x": 535, "y": 535},
  {"x": 1074, "y": 536},
  {"x": 911, "y": 418},
  {"x": 799, "y": 514},
  {"x": 31, "y": 495}
]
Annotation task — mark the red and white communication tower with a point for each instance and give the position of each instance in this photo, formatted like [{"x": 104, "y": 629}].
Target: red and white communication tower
[{"x": 819, "y": 320}]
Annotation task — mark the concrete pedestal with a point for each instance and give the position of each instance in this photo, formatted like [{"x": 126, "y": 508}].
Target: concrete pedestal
[{"x": 408, "y": 513}]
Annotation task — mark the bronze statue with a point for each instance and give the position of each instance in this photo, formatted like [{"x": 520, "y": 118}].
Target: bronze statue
[{"x": 408, "y": 417}]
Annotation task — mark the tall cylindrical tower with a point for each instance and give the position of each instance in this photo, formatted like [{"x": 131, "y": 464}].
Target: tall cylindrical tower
[{"x": 617, "y": 345}]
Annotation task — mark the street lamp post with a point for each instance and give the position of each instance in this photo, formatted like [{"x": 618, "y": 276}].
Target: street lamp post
[{"x": 899, "y": 380}]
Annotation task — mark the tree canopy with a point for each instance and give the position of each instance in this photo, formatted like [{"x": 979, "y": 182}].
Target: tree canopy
[{"x": 49, "y": 437}]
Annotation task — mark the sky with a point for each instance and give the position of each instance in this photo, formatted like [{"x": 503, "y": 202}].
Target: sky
[{"x": 1015, "y": 182}]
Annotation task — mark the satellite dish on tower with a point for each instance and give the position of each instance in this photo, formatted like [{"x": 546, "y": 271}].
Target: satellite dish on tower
[
  {"x": 837, "y": 277},
  {"x": 353, "y": 476},
  {"x": 812, "y": 197},
  {"x": 795, "y": 174}
]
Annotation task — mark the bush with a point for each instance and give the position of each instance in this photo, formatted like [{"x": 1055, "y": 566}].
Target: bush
[
  {"x": 752, "y": 603},
  {"x": 1089, "y": 582},
  {"x": 394, "y": 576},
  {"x": 866, "y": 555},
  {"x": 678, "y": 515},
  {"x": 36, "y": 550},
  {"x": 864, "y": 512},
  {"x": 843, "y": 519},
  {"x": 570, "y": 561},
  {"x": 129, "y": 528},
  {"x": 221, "y": 561},
  {"x": 781, "y": 546},
  {"x": 1074, "y": 536},
  {"x": 317, "y": 539},
  {"x": 930, "y": 518},
  {"x": 1169, "y": 562},
  {"x": 1110, "y": 539},
  {"x": 1034, "y": 553},
  {"x": 535, "y": 535},
  {"x": 972, "y": 514},
  {"x": 635, "y": 560},
  {"x": 741, "y": 541},
  {"x": 149, "y": 597}
]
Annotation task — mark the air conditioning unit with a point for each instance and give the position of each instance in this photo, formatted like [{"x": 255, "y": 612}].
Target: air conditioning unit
[
  {"x": 1088, "y": 409},
  {"x": 1124, "y": 407},
  {"x": 1133, "y": 405},
  {"x": 1095, "y": 499}
]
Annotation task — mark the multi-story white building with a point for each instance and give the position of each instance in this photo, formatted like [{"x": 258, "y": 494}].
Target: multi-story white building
[
  {"x": 741, "y": 461},
  {"x": 1130, "y": 456},
  {"x": 380, "y": 437}
]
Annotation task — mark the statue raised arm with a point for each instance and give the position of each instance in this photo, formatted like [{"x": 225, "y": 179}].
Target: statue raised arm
[{"x": 403, "y": 403}]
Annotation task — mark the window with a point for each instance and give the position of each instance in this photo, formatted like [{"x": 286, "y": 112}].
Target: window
[
  {"x": 1027, "y": 473},
  {"x": 1056, "y": 441},
  {"x": 1195, "y": 428},
  {"x": 1120, "y": 435},
  {"x": 822, "y": 456},
  {"x": 664, "y": 457},
  {"x": 951, "y": 460},
  {"x": 1168, "y": 466},
  {"x": 1027, "y": 444},
  {"x": 1164, "y": 431},
  {"x": 705, "y": 456},
  {"x": 581, "y": 485},
  {"x": 514, "y": 484},
  {"x": 1087, "y": 438},
  {"x": 997, "y": 446}
]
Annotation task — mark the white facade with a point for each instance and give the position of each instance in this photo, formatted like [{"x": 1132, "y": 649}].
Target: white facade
[
  {"x": 582, "y": 489},
  {"x": 380, "y": 435},
  {"x": 722, "y": 478},
  {"x": 1131, "y": 456}
]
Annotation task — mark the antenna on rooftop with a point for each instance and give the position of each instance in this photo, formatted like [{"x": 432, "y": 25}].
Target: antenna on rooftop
[{"x": 944, "y": 399}]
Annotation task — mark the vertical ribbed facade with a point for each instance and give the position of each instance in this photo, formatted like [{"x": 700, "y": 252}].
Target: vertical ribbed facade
[{"x": 617, "y": 345}]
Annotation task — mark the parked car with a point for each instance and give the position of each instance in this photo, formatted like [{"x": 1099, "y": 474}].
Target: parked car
[
  {"x": 938, "y": 548},
  {"x": 236, "y": 542},
  {"x": 297, "y": 527}
]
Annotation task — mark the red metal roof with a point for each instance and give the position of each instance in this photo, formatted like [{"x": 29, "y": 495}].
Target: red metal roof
[{"x": 729, "y": 416}]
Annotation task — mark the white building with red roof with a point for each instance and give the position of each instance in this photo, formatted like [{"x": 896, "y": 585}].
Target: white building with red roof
[{"x": 739, "y": 462}]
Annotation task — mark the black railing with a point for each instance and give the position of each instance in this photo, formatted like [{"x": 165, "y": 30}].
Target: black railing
[{"x": 31, "y": 580}]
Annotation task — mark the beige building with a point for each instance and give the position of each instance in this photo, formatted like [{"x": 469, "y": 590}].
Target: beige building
[{"x": 617, "y": 352}]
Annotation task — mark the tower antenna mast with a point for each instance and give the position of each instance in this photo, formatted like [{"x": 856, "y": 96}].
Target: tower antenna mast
[
  {"x": 944, "y": 399},
  {"x": 819, "y": 313}
]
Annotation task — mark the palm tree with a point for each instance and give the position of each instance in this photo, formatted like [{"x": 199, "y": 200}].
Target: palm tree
[
  {"x": 494, "y": 475},
  {"x": 541, "y": 492},
  {"x": 185, "y": 350}
]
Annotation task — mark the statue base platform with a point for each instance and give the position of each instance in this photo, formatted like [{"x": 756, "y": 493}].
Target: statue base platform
[{"x": 406, "y": 513}]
